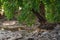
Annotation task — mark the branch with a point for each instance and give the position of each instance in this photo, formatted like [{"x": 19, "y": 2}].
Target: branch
[{"x": 40, "y": 17}]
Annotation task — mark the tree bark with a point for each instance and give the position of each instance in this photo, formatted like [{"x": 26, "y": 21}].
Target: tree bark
[
  {"x": 41, "y": 18},
  {"x": 41, "y": 14},
  {"x": 42, "y": 9}
]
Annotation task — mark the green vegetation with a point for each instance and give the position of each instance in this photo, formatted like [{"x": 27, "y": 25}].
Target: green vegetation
[
  {"x": 52, "y": 10},
  {"x": 9, "y": 8}
]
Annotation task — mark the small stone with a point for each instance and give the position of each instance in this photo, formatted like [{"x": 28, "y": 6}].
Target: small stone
[
  {"x": 30, "y": 38},
  {"x": 9, "y": 23}
]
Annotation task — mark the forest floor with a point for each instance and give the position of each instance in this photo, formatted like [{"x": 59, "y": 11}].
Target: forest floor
[{"x": 25, "y": 35}]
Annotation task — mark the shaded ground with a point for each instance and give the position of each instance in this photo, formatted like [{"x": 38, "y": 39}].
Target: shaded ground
[{"x": 24, "y": 35}]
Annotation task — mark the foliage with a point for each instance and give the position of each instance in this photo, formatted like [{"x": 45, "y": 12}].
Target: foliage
[
  {"x": 52, "y": 10},
  {"x": 26, "y": 15},
  {"x": 57, "y": 15},
  {"x": 0, "y": 3},
  {"x": 9, "y": 8}
]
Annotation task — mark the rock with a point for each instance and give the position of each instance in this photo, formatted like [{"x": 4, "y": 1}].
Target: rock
[
  {"x": 30, "y": 38},
  {"x": 9, "y": 35},
  {"x": 9, "y": 23},
  {"x": 23, "y": 35}
]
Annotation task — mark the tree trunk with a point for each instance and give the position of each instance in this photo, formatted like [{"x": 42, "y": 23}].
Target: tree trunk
[
  {"x": 41, "y": 14},
  {"x": 42, "y": 9},
  {"x": 42, "y": 19}
]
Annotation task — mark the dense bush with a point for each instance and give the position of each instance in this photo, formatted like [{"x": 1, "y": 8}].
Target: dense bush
[
  {"x": 26, "y": 16},
  {"x": 52, "y": 10},
  {"x": 9, "y": 8}
]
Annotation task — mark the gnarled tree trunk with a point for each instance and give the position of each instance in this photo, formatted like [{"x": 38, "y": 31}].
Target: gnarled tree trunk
[
  {"x": 41, "y": 14},
  {"x": 42, "y": 19}
]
